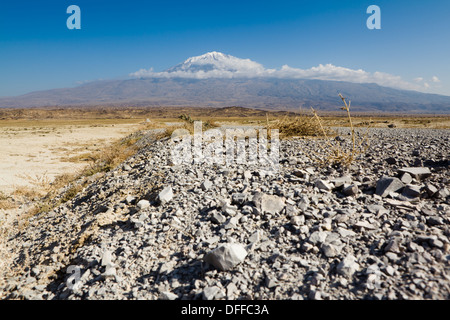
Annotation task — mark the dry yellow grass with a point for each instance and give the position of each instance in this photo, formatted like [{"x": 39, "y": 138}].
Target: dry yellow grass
[
  {"x": 333, "y": 152},
  {"x": 298, "y": 126}
]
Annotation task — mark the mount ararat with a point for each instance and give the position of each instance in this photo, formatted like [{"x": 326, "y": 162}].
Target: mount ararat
[{"x": 219, "y": 80}]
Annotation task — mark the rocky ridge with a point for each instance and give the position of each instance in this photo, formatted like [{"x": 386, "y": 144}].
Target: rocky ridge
[{"x": 153, "y": 230}]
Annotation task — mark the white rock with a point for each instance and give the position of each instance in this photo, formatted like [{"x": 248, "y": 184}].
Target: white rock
[
  {"x": 129, "y": 199},
  {"x": 165, "y": 195},
  {"x": 142, "y": 204},
  {"x": 110, "y": 271},
  {"x": 106, "y": 258},
  {"x": 206, "y": 185},
  {"x": 229, "y": 209},
  {"x": 226, "y": 256}
]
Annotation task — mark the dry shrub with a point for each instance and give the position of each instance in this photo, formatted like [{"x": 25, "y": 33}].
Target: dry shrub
[
  {"x": 299, "y": 126},
  {"x": 5, "y": 202},
  {"x": 340, "y": 154},
  {"x": 187, "y": 124}
]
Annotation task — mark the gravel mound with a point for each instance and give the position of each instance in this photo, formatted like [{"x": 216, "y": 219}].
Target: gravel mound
[{"x": 153, "y": 230}]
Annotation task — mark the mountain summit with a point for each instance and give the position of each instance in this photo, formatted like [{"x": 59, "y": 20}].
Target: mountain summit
[{"x": 217, "y": 64}]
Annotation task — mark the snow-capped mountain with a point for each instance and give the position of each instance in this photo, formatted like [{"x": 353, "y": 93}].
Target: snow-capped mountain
[
  {"x": 217, "y": 61},
  {"x": 217, "y": 79},
  {"x": 223, "y": 66}
]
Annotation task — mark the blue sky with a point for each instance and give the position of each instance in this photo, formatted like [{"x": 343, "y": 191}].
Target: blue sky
[{"x": 38, "y": 51}]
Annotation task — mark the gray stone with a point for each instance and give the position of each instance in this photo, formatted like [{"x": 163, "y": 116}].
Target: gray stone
[
  {"x": 229, "y": 209},
  {"x": 392, "y": 246},
  {"x": 411, "y": 191},
  {"x": 291, "y": 210},
  {"x": 110, "y": 271},
  {"x": 167, "y": 295},
  {"x": 271, "y": 282},
  {"x": 231, "y": 289},
  {"x": 323, "y": 185},
  {"x": 318, "y": 237},
  {"x": 443, "y": 193},
  {"x": 406, "y": 178},
  {"x": 272, "y": 204},
  {"x": 435, "y": 221},
  {"x": 106, "y": 258},
  {"x": 350, "y": 190},
  {"x": 218, "y": 218},
  {"x": 339, "y": 182},
  {"x": 238, "y": 198},
  {"x": 365, "y": 225},
  {"x": 347, "y": 266},
  {"x": 431, "y": 190},
  {"x": 345, "y": 232},
  {"x": 418, "y": 173},
  {"x": 330, "y": 250},
  {"x": 231, "y": 223},
  {"x": 255, "y": 237},
  {"x": 247, "y": 175},
  {"x": 130, "y": 199},
  {"x": 374, "y": 208},
  {"x": 226, "y": 256},
  {"x": 387, "y": 184}
]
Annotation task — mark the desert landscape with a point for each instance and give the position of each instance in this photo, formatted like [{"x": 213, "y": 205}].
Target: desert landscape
[
  {"x": 233, "y": 158},
  {"x": 374, "y": 226}
]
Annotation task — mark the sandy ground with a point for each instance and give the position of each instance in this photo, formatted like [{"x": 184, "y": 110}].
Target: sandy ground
[{"x": 31, "y": 155}]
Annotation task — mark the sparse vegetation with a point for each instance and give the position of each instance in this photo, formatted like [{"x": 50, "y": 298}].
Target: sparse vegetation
[
  {"x": 301, "y": 125},
  {"x": 101, "y": 162},
  {"x": 338, "y": 152},
  {"x": 189, "y": 123},
  {"x": 5, "y": 202}
]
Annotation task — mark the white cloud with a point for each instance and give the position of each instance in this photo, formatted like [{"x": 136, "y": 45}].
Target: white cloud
[
  {"x": 435, "y": 79},
  {"x": 218, "y": 65}
]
